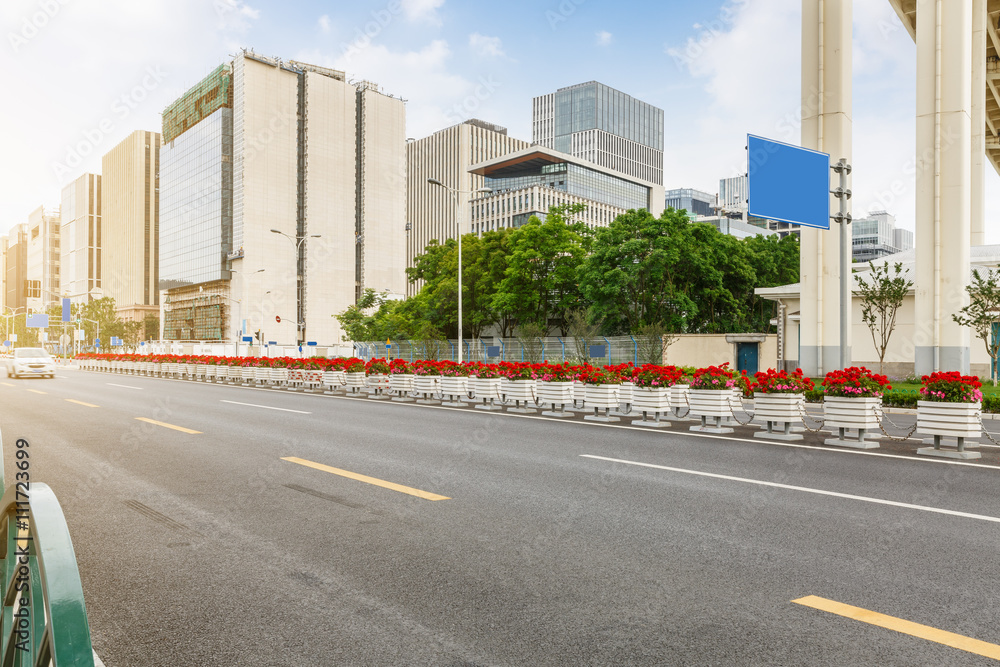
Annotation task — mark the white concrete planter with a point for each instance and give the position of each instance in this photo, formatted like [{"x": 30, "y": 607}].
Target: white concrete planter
[
  {"x": 851, "y": 412},
  {"x": 401, "y": 383},
  {"x": 311, "y": 378},
  {"x": 277, "y": 376},
  {"x": 293, "y": 375},
  {"x": 248, "y": 373},
  {"x": 555, "y": 393},
  {"x": 651, "y": 399},
  {"x": 602, "y": 396},
  {"x": 355, "y": 381},
  {"x": 378, "y": 381},
  {"x": 334, "y": 379},
  {"x": 710, "y": 402},
  {"x": 486, "y": 388},
  {"x": 778, "y": 408},
  {"x": 426, "y": 385},
  {"x": 455, "y": 386},
  {"x": 949, "y": 420},
  {"x": 625, "y": 393},
  {"x": 521, "y": 391},
  {"x": 260, "y": 374},
  {"x": 221, "y": 372}
]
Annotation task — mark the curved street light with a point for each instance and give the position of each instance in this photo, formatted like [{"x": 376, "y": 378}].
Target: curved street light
[
  {"x": 455, "y": 192},
  {"x": 300, "y": 279}
]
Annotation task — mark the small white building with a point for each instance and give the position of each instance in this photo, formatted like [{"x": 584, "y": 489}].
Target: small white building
[{"x": 900, "y": 353}]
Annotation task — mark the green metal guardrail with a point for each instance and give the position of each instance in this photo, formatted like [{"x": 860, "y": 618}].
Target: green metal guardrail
[{"x": 44, "y": 619}]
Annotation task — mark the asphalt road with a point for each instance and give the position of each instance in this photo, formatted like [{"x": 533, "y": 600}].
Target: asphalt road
[{"x": 554, "y": 546}]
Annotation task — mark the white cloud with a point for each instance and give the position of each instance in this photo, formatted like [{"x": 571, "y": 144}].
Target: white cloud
[
  {"x": 410, "y": 75},
  {"x": 324, "y": 23},
  {"x": 604, "y": 38},
  {"x": 85, "y": 97},
  {"x": 488, "y": 47},
  {"x": 422, "y": 10}
]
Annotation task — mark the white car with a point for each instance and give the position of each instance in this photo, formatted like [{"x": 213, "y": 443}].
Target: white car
[{"x": 31, "y": 361}]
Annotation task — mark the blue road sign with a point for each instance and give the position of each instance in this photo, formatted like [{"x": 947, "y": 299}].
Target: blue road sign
[
  {"x": 788, "y": 183},
  {"x": 97, "y": 342},
  {"x": 598, "y": 351},
  {"x": 248, "y": 339},
  {"x": 311, "y": 342},
  {"x": 6, "y": 343},
  {"x": 492, "y": 350},
  {"x": 272, "y": 342},
  {"x": 38, "y": 321},
  {"x": 65, "y": 310}
]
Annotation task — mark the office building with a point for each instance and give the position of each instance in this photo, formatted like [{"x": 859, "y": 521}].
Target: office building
[
  {"x": 80, "y": 238},
  {"x": 734, "y": 226},
  {"x": 529, "y": 181},
  {"x": 42, "y": 257},
  {"x": 695, "y": 202},
  {"x": 15, "y": 269},
  {"x": 447, "y": 156},
  {"x": 282, "y": 199},
  {"x": 130, "y": 224},
  {"x": 876, "y": 236},
  {"x": 595, "y": 122}
]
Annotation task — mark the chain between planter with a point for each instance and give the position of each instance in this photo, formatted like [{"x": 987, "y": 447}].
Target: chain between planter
[
  {"x": 979, "y": 416},
  {"x": 733, "y": 412},
  {"x": 803, "y": 414},
  {"x": 880, "y": 415}
]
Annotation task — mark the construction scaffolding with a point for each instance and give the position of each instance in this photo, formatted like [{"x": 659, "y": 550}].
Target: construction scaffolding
[{"x": 212, "y": 93}]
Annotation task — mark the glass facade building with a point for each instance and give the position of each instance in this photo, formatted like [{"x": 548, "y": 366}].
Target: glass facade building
[
  {"x": 695, "y": 202},
  {"x": 876, "y": 236},
  {"x": 603, "y": 125},
  {"x": 574, "y": 179},
  {"x": 196, "y": 203}
]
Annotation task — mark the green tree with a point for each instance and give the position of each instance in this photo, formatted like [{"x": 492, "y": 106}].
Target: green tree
[
  {"x": 983, "y": 311},
  {"x": 881, "y": 296},
  {"x": 540, "y": 284}
]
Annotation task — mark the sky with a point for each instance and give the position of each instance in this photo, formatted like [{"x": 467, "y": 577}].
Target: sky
[{"x": 78, "y": 76}]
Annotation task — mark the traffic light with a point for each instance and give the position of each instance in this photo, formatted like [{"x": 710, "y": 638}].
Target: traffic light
[{"x": 257, "y": 336}]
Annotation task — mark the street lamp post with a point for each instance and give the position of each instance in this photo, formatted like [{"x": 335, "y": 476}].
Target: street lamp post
[
  {"x": 455, "y": 192},
  {"x": 300, "y": 279}
]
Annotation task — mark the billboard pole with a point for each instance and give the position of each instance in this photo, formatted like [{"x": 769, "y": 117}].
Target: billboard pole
[{"x": 844, "y": 218}]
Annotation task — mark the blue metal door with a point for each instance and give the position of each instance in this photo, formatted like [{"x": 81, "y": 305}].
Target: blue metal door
[{"x": 746, "y": 357}]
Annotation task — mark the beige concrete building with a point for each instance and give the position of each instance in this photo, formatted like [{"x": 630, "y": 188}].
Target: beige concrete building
[
  {"x": 447, "y": 155},
  {"x": 287, "y": 177},
  {"x": 80, "y": 238},
  {"x": 130, "y": 224},
  {"x": 42, "y": 257}
]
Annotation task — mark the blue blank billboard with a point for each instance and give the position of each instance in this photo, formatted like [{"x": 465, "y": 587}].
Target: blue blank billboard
[{"x": 788, "y": 183}]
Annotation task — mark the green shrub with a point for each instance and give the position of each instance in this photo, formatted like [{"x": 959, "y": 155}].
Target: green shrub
[
  {"x": 991, "y": 403},
  {"x": 814, "y": 396},
  {"x": 900, "y": 399}
]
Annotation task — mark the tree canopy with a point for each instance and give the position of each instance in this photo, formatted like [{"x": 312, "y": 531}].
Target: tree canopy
[{"x": 638, "y": 272}]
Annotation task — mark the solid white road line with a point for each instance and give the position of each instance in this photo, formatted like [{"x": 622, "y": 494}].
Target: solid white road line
[
  {"x": 878, "y": 501},
  {"x": 123, "y": 386},
  {"x": 267, "y": 407}
]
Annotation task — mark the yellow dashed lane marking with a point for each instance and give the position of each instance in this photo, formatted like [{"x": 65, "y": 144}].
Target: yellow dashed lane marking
[
  {"x": 900, "y": 625},
  {"x": 166, "y": 425},
  {"x": 426, "y": 495}
]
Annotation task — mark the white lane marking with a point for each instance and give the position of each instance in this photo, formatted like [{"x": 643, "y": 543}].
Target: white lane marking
[
  {"x": 821, "y": 492},
  {"x": 267, "y": 407},
  {"x": 123, "y": 386}
]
